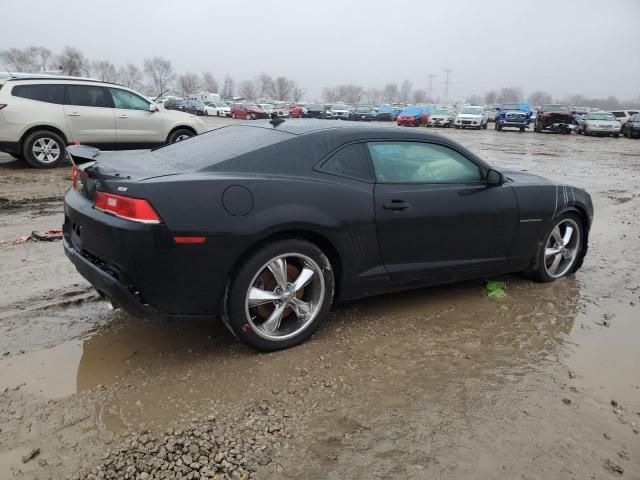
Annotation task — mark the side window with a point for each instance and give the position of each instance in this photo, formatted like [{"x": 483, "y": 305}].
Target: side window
[
  {"x": 87, "y": 96},
  {"x": 50, "y": 93},
  {"x": 128, "y": 100},
  {"x": 619, "y": 114},
  {"x": 417, "y": 162},
  {"x": 350, "y": 161}
]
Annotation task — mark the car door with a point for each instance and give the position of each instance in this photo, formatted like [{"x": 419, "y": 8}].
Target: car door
[
  {"x": 436, "y": 216},
  {"x": 136, "y": 124},
  {"x": 89, "y": 115}
]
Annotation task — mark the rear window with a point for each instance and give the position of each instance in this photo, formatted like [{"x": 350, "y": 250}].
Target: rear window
[
  {"x": 217, "y": 146},
  {"x": 50, "y": 93}
]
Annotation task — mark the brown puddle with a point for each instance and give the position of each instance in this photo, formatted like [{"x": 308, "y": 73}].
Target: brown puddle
[{"x": 607, "y": 362}]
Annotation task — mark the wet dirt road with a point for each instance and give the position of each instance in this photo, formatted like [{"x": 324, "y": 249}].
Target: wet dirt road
[{"x": 440, "y": 383}]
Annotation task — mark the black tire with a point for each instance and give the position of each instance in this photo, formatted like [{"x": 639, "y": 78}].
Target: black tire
[
  {"x": 218, "y": 113},
  {"x": 237, "y": 312},
  {"x": 537, "y": 270},
  {"x": 499, "y": 127},
  {"x": 616, "y": 135},
  {"x": 485, "y": 125},
  {"x": 521, "y": 129},
  {"x": 38, "y": 137},
  {"x": 179, "y": 134}
]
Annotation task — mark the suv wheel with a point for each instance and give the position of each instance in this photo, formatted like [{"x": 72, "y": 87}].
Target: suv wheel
[
  {"x": 179, "y": 135},
  {"x": 44, "y": 149}
]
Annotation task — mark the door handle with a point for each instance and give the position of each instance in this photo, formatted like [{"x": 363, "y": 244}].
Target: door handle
[
  {"x": 123, "y": 116},
  {"x": 73, "y": 114},
  {"x": 396, "y": 205}
]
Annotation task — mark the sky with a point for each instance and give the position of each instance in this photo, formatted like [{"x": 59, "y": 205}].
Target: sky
[{"x": 565, "y": 47}]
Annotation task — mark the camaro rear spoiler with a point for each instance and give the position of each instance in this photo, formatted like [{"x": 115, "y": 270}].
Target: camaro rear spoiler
[{"x": 83, "y": 156}]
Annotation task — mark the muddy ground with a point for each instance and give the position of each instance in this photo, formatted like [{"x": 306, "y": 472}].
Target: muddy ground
[{"x": 440, "y": 383}]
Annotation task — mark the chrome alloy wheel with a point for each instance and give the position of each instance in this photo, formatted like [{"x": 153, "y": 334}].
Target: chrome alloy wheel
[
  {"x": 285, "y": 296},
  {"x": 562, "y": 247},
  {"x": 46, "y": 150}
]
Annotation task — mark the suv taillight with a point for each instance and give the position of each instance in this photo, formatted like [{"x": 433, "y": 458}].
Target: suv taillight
[{"x": 136, "y": 209}]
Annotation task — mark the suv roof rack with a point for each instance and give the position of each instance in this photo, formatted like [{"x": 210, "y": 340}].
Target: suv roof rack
[{"x": 16, "y": 77}]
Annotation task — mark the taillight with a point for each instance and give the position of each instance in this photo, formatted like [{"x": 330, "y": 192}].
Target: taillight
[
  {"x": 77, "y": 178},
  {"x": 136, "y": 209},
  {"x": 2, "y": 105}
]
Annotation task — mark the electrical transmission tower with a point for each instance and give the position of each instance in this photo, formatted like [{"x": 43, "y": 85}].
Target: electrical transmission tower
[{"x": 446, "y": 86}]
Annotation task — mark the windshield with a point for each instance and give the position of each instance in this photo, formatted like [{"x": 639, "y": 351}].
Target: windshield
[
  {"x": 511, "y": 106},
  {"x": 600, "y": 116},
  {"x": 442, "y": 111},
  {"x": 266, "y": 107},
  {"x": 252, "y": 106},
  {"x": 411, "y": 111},
  {"x": 339, "y": 107},
  {"x": 555, "y": 108},
  {"x": 472, "y": 111},
  {"x": 363, "y": 109},
  {"x": 222, "y": 105},
  {"x": 315, "y": 107}
]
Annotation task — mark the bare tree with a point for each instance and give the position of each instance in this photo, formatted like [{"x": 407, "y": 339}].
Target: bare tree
[
  {"x": 330, "y": 95},
  {"x": 297, "y": 92},
  {"x": 283, "y": 88},
  {"x": 373, "y": 96},
  {"x": 247, "y": 90},
  {"x": 130, "y": 76},
  {"x": 350, "y": 93},
  {"x": 510, "y": 94},
  {"x": 490, "y": 97},
  {"x": 539, "y": 97},
  {"x": 43, "y": 54},
  {"x": 160, "y": 72},
  {"x": 188, "y": 83},
  {"x": 209, "y": 82},
  {"x": 72, "y": 62},
  {"x": 474, "y": 99},
  {"x": 405, "y": 91},
  {"x": 419, "y": 96},
  {"x": 391, "y": 93},
  {"x": 228, "y": 87},
  {"x": 265, "y": 86},
  {"x": 104, "y": 70}
]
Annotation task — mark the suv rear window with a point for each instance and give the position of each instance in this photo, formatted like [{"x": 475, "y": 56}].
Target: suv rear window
[
  {"x": 86, "y": 96},
  {"x": 45, "y": 92}
]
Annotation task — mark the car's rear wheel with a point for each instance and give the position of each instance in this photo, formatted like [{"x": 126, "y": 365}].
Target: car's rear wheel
[
  {"x": 559, "y": 250},
  {"x": 44, "y": 149},
  {"x": 179, "y": 135},
  {"x": 281, "y": 295}
]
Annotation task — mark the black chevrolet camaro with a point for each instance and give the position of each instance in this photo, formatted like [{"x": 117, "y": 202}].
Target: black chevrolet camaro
[{"x": 267, "y": 224}]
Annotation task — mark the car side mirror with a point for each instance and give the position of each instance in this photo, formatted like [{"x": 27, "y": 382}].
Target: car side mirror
[
  {"x": 573, "y": 113},
  {"x": 494, "y": 177},
  {"x": 153, "y": 107}
]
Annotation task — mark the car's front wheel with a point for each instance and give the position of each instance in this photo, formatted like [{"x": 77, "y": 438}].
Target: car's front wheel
[
  {"x": 559, "y": 250},
  {"x": 179, "y": 135},
  {"x": 280, "y": 295},
  {"x": 44, "y": 149}
]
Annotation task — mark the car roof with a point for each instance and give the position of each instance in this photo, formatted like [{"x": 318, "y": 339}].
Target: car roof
[
  {"x": 322, "y": 127},
  {"x": 59, "y": 79}
]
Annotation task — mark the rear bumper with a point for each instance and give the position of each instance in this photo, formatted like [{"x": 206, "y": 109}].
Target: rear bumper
[
  {"x": 10, "y": 147},
  {"x": 141, "y": 268}
]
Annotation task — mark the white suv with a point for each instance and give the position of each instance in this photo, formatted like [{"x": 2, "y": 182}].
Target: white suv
[{"x": 39, "y": 117}]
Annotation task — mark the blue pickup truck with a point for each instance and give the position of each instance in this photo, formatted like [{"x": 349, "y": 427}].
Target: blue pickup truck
[{"x": 514, "y": 115}]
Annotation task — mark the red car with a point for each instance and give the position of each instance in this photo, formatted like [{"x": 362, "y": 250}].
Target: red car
[
  {"x": 295, "y": 111},
  {"x": 248, "y": 111},
  {"x": 412, "y": 117}
]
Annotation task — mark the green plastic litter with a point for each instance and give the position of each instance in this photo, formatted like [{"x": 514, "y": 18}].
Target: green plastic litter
[{"x": 496, "y": 289}]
